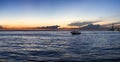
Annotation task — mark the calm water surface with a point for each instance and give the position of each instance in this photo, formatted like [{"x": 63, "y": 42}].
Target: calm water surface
[{"x": 59, "y": 46}]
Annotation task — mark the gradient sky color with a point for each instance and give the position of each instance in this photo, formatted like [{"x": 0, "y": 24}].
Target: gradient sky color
[{"x": 31, "y": 13}]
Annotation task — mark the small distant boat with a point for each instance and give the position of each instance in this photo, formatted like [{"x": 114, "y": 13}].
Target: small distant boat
[{"x": 75, "y": 32}]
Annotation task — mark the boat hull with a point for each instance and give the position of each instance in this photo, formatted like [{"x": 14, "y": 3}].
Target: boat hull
[{"x": 75, "y": 33}]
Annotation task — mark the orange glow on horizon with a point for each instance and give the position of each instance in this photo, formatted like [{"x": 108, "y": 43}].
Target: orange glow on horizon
[{"x": 33, "y": 24}]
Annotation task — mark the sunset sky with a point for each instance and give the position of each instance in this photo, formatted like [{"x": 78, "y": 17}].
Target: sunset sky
[{"x": 31, "y": 13}]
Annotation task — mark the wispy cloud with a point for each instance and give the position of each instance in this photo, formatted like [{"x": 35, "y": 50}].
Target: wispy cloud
[
  {"x": 103, "y": 21},
  {"x": 82, "y": 23}
]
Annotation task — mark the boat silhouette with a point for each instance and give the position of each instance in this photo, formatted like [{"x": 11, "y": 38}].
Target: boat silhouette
[{"x": 75, "y": 32}]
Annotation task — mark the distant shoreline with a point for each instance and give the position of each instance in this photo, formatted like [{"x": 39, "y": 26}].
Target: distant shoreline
[
  {"x": 53, "y": 30},
  {"x": 35, "y": 30}
]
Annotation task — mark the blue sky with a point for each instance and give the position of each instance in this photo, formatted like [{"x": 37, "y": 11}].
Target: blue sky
[{"x": 57, "y": 12}]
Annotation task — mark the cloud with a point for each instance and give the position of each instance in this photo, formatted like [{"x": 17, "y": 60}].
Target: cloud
[
  {"x": 82, "y": 23},
  {"x": 103, "y": 21}
]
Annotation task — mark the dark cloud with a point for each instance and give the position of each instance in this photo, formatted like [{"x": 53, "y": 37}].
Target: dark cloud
[
  {"x": 82, "y": 23},
  {"x": 115, "y": 19}
]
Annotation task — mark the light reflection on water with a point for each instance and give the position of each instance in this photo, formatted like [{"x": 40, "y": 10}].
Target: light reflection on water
[{"x": 24, "y": 46}]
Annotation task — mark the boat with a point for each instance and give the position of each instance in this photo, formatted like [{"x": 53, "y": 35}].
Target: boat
[{"x": 75, "y": 32}]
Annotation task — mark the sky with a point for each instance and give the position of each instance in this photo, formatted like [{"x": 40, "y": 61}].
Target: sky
[{"x": 32, "y": 13}]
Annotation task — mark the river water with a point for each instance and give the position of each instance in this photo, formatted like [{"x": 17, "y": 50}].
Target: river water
[{"x": 59, "y": 46}]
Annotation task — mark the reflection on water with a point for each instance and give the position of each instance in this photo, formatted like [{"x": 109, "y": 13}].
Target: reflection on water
[{"x": 59, "y": 46}]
